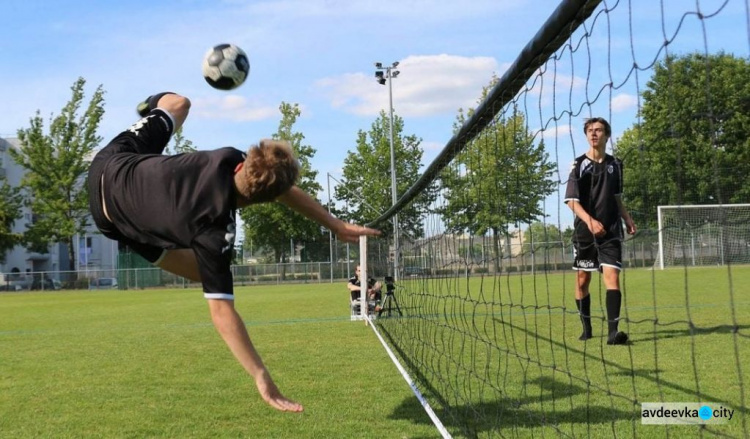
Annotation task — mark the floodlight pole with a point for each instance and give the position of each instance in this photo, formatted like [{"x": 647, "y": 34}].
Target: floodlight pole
[
  {"x": 382, "y": 74},
  {"x": 330, "y": 233}
]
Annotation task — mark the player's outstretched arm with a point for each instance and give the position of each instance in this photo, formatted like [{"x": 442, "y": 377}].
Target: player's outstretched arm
[
  {"x": 232, "y": 329},
  {"x": 303, "y": 203}
]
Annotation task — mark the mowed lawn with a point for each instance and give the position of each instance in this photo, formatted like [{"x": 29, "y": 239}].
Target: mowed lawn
[
  {"x": 504, "y": 351},
  {"x": 136, "y": 364},
  {"x": 505, "y": 356}
]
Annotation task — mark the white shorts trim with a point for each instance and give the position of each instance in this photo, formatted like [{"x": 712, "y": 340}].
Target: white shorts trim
[
  {"x": 220, "y": 296},
  {"x": 613, "y": 266}
]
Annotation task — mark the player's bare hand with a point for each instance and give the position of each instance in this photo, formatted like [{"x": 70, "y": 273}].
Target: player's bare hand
[
  {"x": 348, "y": 232},
  {"x": 630, "y": 227},
  {"x": 271, "y": 394},
  {"x": 597, "y": 228}
]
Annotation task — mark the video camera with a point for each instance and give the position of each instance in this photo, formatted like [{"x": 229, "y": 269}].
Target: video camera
[{"x": 389, "y": 283}]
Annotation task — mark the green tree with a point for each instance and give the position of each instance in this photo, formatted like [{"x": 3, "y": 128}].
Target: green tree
[
  {"x": 499, "y": 179},
  {"x": 56, "y": 164},
  {"x": 274, "y": 225},
  {"x": 692, "y": 145},
  {"x": 11, "y": 202},
  {"x": 366, "y": 182},
  {"x": 541, "y": 234},
  {"x": 180, "y": 144}
]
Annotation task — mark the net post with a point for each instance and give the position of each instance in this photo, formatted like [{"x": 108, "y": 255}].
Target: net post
[
  {"x": 363, "y": 277},
  {"x": 661, "y": 237}
]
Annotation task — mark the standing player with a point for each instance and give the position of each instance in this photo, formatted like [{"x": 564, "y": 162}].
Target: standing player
[
  {"x": 178, "y": 212},
  {"x": 594, "y": 194}
]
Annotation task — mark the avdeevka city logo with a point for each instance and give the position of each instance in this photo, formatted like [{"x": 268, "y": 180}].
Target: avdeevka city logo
[{"x": 684, "y": 413}]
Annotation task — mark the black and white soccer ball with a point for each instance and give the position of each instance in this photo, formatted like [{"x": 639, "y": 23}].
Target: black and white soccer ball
[{"x": 225, "y": 66}]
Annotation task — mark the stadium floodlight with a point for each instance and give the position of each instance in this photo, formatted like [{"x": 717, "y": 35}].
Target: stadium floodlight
[{"x": 383, "y": 74}]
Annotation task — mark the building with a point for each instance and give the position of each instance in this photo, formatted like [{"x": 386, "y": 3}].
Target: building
[{"x": 95, "y": 253}]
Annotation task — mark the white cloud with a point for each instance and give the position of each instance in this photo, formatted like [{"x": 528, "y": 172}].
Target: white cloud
[
  {"x": 233, "y": 107},
  {"x": 624, "y": 102},
  {"x": 427, "y": 85}
]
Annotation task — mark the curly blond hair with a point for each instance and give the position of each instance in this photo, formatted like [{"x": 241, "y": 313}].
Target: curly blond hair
[{"x": 270, "y": 170}]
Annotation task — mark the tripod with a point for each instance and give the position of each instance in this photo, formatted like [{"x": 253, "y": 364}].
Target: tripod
[{"x": 390, "y": 299}]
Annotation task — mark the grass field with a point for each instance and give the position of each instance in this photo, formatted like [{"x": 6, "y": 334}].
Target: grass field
[
  {"x": 502, "y": 354},
  {"x": 137, "y": 364}
]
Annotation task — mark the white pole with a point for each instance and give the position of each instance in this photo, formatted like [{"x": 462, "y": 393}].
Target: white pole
[
  {"x": 363, "y": 276},
  {"x": 330, "y": 233},
  {"x": 661, "y": 238}
]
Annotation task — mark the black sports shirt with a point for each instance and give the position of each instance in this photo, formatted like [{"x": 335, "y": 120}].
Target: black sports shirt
[
  {"x": 173, "y": 202},
  {"x": 595, "y": 186}
]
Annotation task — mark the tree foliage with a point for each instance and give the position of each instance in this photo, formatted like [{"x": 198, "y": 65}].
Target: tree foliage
[
  {"x": 180, "y": 144},
  {"x": 273, "y": 225},
  {"x": 366, "y": 181},
  {"x": 11, "y": 203},
  {"x": 540, "y": 233},
  {"x": 692, "y": 145},
  {"x": 56, "y": 164},
  {"x": 500, "y": 179}
]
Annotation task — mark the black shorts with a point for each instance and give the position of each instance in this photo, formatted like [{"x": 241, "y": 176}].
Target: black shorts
[
  {"x": 154, "y": 132},
  {"x": 591, "y": 256}
]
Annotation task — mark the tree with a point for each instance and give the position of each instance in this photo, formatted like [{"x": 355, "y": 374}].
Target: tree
[
  {"x": 541, "y": 234},
  {"x": 499, "y": 179},
  {"x": 181, "y": 145},
  {"x": 692, "y": 145},
  {"x": 274, "y": 225},
  {"x": 366, "y": 182},
  {"x": 56, "y": 165},
  {"x": 11, "y": 202}
]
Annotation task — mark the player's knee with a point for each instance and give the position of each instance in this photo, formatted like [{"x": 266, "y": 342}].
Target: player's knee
[{"x": 175, "y": 104}]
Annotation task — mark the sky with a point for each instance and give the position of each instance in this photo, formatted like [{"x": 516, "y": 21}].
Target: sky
[{"x": 319, "y": 54}]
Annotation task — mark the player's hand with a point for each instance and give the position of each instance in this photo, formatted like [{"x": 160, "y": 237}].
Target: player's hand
[
  {"x": 271, "y": 394},
  {"x": 348, "y": 232},
  {"x": 630, "y": 227},
  {"x": 597, "y": 228}
]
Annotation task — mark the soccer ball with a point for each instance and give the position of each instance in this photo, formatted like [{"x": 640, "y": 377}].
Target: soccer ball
[{"x": 225, "y": 66}]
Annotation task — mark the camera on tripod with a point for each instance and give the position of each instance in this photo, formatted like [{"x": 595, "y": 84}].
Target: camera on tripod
[{"x": 389, "y": 284}]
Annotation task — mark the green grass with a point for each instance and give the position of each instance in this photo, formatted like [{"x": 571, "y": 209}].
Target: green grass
[
  {"x": 502, "y": 354},
  {"x": 135, "y": 364}
]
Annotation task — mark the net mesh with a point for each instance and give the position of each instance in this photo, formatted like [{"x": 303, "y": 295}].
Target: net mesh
[{"x": 488, "y": 326}]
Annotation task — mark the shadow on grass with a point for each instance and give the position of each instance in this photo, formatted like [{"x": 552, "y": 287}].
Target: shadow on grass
[
  {"x": 554, "y": 405},
  {"x": 690, "y": 331},
  {"x": 509, "y": 414}
]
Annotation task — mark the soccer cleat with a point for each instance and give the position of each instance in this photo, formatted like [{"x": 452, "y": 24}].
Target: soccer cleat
[
  {"x": 585, "y": 336},
  {"x": 617, "y": 338},
  {"x": 143, "y": 108}
]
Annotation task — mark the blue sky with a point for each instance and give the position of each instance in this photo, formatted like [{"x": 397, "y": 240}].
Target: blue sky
[{"x": 319, "y": 54}]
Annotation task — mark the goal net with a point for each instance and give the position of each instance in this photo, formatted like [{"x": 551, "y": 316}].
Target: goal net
[{"x": 692, "y": 235}]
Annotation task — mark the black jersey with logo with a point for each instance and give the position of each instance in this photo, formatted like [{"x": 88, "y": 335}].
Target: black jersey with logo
[
  {"x": 595, "y": 186},
  {"x": 179, "y": 201}
]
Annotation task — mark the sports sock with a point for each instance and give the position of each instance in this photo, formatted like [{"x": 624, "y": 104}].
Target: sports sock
[
  {"x": 584, "y": 310},
  {"x": 614, "y": 301}
]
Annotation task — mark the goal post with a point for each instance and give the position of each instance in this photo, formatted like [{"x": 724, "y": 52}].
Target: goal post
[{"x": 706, "y": 234}]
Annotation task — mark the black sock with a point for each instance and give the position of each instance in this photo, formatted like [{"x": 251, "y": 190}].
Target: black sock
[
  {"x": 584, "y": 310},
  {"x": 614, "y": 302}
]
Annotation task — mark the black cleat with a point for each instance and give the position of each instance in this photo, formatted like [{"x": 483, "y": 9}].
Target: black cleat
[
  {"x": 585, "y": 336},
  {"x": 143, "y": 108},
  {"x": 617, "y": 338}
]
